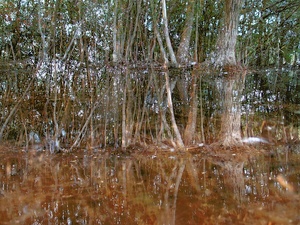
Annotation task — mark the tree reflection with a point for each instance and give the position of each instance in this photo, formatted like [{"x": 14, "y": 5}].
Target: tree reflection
[{"x": 155, "y": 188}]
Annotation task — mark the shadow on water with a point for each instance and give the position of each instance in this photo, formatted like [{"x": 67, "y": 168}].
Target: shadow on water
[{"x": 150, "y": 188}]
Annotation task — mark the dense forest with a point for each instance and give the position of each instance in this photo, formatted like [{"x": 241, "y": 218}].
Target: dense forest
[{"x": 127, "y": 72}]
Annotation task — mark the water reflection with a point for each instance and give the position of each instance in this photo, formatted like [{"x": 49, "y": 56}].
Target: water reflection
[{"x": 152, "y": 188}]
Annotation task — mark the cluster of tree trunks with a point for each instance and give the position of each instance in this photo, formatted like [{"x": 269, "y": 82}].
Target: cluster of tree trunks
[
  {"x": 222, "y": 62},
  {"x": 126, "y": 44}
]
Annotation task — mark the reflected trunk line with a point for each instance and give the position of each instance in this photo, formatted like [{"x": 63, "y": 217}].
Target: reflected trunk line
[
  {"x": 175, "y": 195},
  {"x": 236, "y": 178},
  {"x": 207, "y": 192},
  {"x": 168, "y": 216},
  {"x": 148, "y": 188},
  {"x": 191, "y": 170},
  {"x": 125, "y": 179}
]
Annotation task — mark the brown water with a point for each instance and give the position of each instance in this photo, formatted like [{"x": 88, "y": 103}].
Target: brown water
[{"x": 149, "y": 188}]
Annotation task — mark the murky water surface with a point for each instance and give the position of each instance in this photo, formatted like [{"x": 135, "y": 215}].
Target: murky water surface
[{"x": 149, "y": 188}]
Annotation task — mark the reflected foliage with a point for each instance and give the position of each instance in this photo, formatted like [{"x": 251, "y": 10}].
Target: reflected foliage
[{"x": 152, "y": 188}]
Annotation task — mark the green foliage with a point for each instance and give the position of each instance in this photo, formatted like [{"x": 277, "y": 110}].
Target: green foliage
[{"x": 268, "y": 29}]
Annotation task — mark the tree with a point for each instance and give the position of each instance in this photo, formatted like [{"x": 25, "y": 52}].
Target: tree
[
  {"x": 108, "y": 54},
  {"x": 225, "y": 51},
  {"x": 231, "y": 76}
]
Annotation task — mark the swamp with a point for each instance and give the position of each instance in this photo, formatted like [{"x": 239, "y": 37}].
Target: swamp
[{"x": 150, "y": 112}]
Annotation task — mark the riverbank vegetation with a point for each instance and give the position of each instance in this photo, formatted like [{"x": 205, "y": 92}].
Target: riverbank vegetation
[{"x": 167, "y": 73}]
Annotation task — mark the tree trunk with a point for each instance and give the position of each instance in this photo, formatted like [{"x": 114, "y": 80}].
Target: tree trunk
[
  {"x": 15, "y": 108},
  {"x": 224, "y": 53},
  {"x": 190, "y": 128},
  {"x": 157, "y": 35},
  {"x": 178, "y": 139},
  {"x": 230, "y": 133},
  {"x": 232, "y": 76},
  {"x": 116, "y": 42},
  {"x": 183, "y": 49},
  {"x": 167, "y": 36},
  {"x": 184, "y": 57},
  {"x": 132, "y": 35}
]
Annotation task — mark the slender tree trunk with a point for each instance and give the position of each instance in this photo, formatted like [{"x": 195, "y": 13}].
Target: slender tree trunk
[
  {"x": 201, "y": 112},
  {"x": 132, "y": 36},
  {"x": 162, "y": 49},
  {"x": 54, "y": 144},
  {"x": 124, "y": 119},
  {"x": 158, "y": 36},
  {"x": 183, "y": 49},
  {"x": 116, "y": 43},
  {"x": 127, "y": 123},
  {"x": 184, "y": 58},
  {"x": 178, "y": 139},
  {"x": 196, "y": 32},
  {"x": 15, "y": 108},
  {"x": 190, "y": 128},
  {"x": 84, "y": 128},
  {"x": 164, "y": 126},
  {"x": 167, "y": 36}
]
